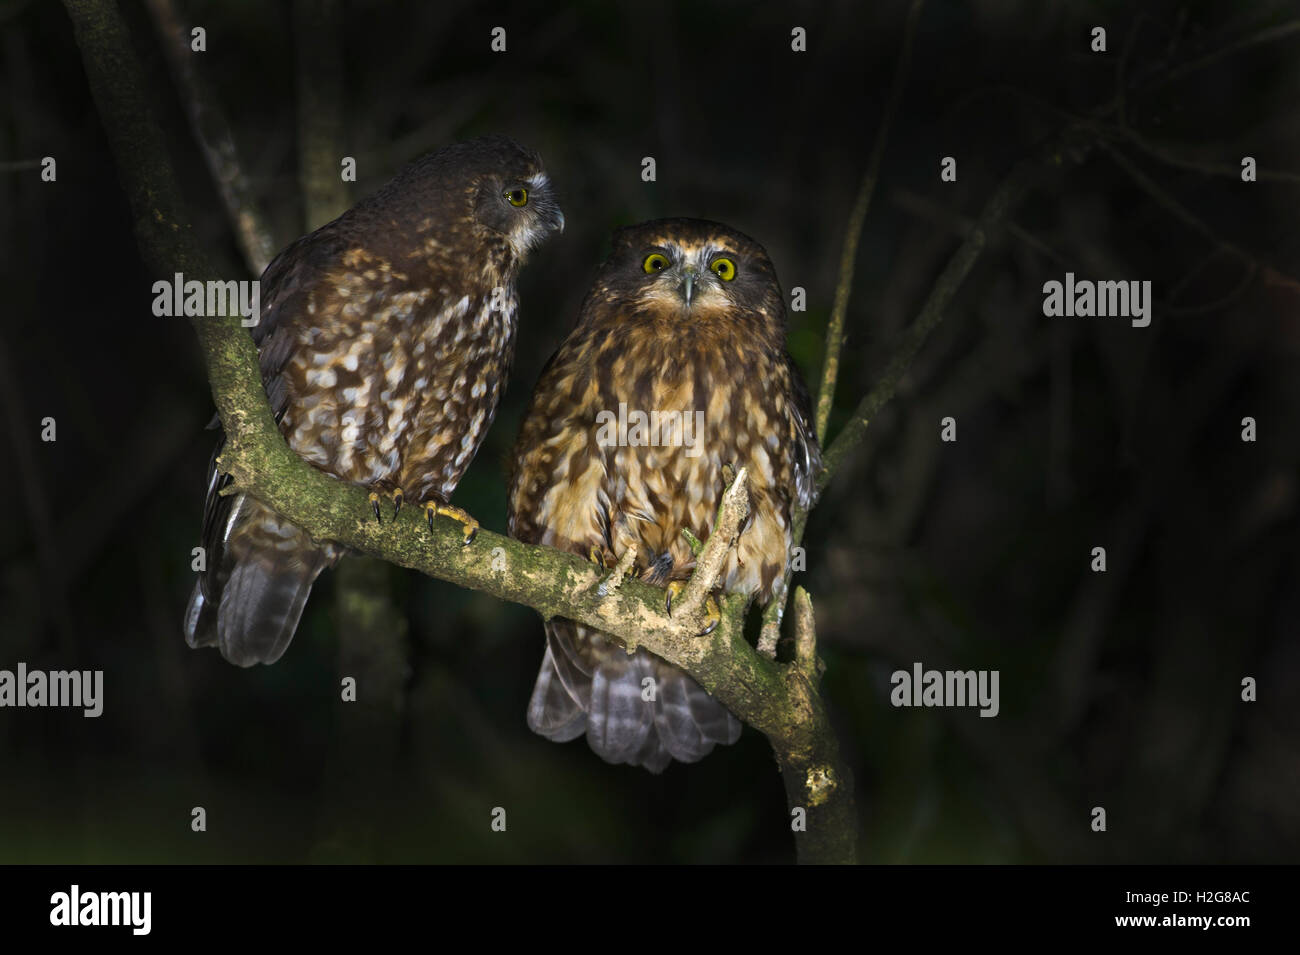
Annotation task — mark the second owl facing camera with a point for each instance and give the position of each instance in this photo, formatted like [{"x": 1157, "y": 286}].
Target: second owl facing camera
[{"x": 685, "y": 316}]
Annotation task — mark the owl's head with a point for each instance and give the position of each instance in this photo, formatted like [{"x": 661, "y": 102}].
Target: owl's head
[
  {"x": 494, "y": 185},
  {"x": 695, "y": 271}
]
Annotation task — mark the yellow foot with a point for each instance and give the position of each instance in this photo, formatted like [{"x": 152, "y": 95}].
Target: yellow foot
[
  {"x": 455, "y": 513},
  {"x": 711, "y": 612}
]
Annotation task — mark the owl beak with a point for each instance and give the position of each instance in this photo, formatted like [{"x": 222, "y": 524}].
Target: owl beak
[
  {"x": 689, "y": 277},
  {"x": 558, "y": 220}
]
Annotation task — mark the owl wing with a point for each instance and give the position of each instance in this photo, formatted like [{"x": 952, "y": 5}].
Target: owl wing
[
  {"x": 259, "y": 568},
  {"x": 807, "y": 452}
]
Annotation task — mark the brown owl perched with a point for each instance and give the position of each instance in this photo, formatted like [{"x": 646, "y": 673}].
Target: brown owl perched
[
  {"x": 385, "y": 340},
  {"x": 685, "y": 325}
]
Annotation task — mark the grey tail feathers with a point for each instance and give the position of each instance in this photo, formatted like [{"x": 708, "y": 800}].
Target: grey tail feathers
[
  {"x": 249, "y": 600},
  {"x": 634, "y": 709}
]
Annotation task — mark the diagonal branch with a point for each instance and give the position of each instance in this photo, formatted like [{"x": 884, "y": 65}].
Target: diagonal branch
[
  {"x": 849, "y": 254},
  {"x": 1171, "y": 205},
  {"x": 215, "y": 138},
  {"x": 1267, "y": 35},
  {"x": 775, "y": 609},
  {"x": 991, "y": 219},
  {"x": 708, "y": 565}
]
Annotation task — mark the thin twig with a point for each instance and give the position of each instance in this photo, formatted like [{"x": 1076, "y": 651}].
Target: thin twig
[
  {"x": 849, "y": 253},
  {"x": 775, "y": 609},
  {"x": 215, "y": 138},
  {"x": 990, "y": 221},
  {"x": 610, "y": 584},
  {"x": 943, "y": 215},
  {"x": 805, "y": 636},
  {"x": 732, "y": 511},
  {"x": 1175, "y": 208},
  {"x": 1170, "y": 156},
  {"x": 1268, "y": 35}
]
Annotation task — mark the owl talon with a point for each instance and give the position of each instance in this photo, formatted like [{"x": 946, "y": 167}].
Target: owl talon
[
  {"x": 397, "y": 502},
  {"x": 374, "y": 505},
  {"x": 597, "y": 556},
  {"x": 455, "y": 513},
  {"x": 711, "y": 612},
  {"x": 674, "y": 588}
]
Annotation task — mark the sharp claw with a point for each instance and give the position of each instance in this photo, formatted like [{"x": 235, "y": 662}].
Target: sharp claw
[
  {"x": 471, "y": 525},
  {"x": 397, "y": 503},
  {"x": 709, "y": 629},
  {"x": 674, "y": 588},
  {"x": 374, "y": 506}
]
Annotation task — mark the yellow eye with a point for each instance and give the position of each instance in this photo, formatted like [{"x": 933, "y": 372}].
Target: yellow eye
[
  {"x": 724, "y": 269},
  {"x": 654, "y": 262},
  {"x": 518, "y": 196}
]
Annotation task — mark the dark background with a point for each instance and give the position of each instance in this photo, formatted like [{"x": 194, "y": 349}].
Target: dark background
[{"x": 1119, "y": 690}]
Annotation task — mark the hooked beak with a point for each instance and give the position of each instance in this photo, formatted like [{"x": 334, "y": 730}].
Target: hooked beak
[
  {"x": 558, "y": 220},
  {"x": 690, "y": 275}
]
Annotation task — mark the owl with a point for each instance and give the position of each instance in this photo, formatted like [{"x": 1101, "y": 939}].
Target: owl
[
  {"x": 675, "y": 376},
  {"x": 385, "y": 339}
]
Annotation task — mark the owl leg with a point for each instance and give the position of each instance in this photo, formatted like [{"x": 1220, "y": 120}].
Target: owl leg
[
  {"x": 434, "y": 507},
  {"x": 711, "y": 612},
  {"x": 381, "y": 489}
]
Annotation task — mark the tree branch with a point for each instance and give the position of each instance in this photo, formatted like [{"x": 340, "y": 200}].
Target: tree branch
[
  {"x": 215, "y": 138},
  {"x": 726, "y": 528},
  {"x": 991, "y": 218},
  {"x": 849, "y": 254},
  {"x": 775, "y": 609}
]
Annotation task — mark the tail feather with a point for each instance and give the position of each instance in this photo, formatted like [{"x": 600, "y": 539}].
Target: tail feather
[
  {"x": 249, "y": 601},
  {"x": 261, "y": 606},
  {"x": 690, "y": 722},
  {"x": 554, "y": 711},
  {"x": 618, "y": 719},
  {"x": 587, "y": 684}
]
